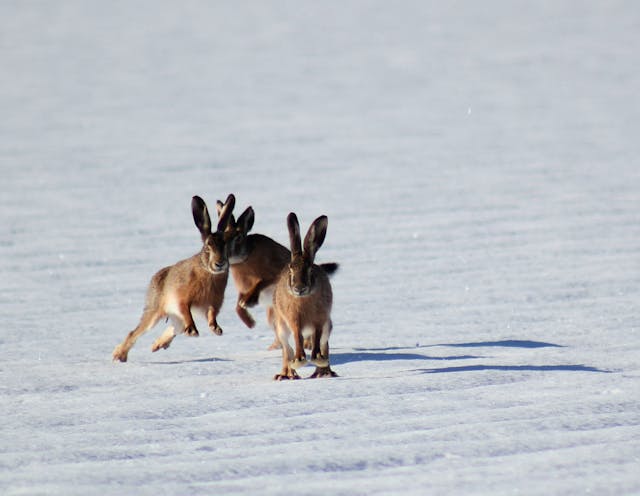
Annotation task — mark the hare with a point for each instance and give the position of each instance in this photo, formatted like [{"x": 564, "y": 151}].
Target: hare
[
  {"x": 256, "y": 262},
  {"x": 197, "y": 283},
  {"x": 302, "y": 301}
]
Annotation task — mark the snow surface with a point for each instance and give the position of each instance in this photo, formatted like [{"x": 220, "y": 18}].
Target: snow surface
[{"x": 478, "y": 162}]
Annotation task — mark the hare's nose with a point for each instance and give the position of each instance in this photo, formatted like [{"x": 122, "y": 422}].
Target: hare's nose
[{"x": 299, "y": 290}]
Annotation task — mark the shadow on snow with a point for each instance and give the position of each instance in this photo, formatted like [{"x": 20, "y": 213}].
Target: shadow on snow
[
  {"x": 196, "y": 360},
  {"x": 508, "y": 343},
  {"x": 529, "y": 368},
  {"x": 338, "y": 358},
  {"x": 384, "y": 354}
]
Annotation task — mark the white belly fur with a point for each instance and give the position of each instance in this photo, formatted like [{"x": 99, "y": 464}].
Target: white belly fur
[
  {"x": 266, "y": 296},
  {"x": 171, "y": 308},
  {"x": 307, "y": 331}
]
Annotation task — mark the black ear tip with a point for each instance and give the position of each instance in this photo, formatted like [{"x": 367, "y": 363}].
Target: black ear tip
[
  {"x": 292, "y": 222},
  {"x": 231, "y": 200},
  {"x": 321, "y": 223},
  {"x": 197, "y": 202}
]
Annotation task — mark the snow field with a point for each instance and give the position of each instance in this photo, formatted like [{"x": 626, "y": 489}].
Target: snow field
[{"x": 478, "y": 165}]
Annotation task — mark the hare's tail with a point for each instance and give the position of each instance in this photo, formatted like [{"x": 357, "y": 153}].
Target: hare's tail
[{"x": 330, "y": 268}]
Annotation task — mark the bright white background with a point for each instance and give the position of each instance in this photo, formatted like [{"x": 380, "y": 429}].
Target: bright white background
[{"x": 478, "y": 162}]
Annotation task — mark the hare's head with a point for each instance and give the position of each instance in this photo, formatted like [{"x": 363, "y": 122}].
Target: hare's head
[
  {"x": 301, "y": 270},
  {"x": 214, "y": 249},
  {"x": 235, "y": 234}
]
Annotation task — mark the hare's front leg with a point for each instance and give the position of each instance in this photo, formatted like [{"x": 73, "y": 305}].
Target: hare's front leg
[
  {"x": 287, "y": 372},
  {"x": 182, "y": 311},
  {"x": 251, "y": 297},
  {"x": 247, "y": 300},
  {"x": 271, "y": 320},
  {"x": 213, "y": 323},
  {"x": 318, "y": 358},
  {"x": 243, "y": 313},
  {"x": 300, "y": 358}
]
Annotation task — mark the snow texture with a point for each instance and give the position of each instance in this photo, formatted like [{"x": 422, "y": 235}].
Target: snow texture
[{"x": 478, "y": 162}]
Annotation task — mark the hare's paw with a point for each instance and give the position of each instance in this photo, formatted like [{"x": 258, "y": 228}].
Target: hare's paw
[
  {"x": 320, "y": 361},
  {"x": 275, "y": 345},
  {"x": 120, "y": 354},
  {"x": 296, "y": 363},
  {"x": 165, "y": 339},
  {"x": 216, "y": 329},
  {"x": 160, "y": 344},
  {"x": 191, "y": 331},
  {"x": 286, "y": 375},
  {"x": 323, "y": 372},
  {"x": 251, "y": 301},
  {"x": 245, "y": 316}
]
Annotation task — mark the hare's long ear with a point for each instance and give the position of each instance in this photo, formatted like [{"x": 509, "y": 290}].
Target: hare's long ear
[
  {"x": 294, "y": 235},
  {"x": 315, "y": 237},
  {"x": 225, "y": 213},
  {"x": 201, "y": 216},
  {"x": 219, "y": 207},
  {"x": 245, "y": 221}
]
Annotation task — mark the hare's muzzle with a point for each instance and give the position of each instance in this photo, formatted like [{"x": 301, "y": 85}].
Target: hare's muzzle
[
  {"x": 220, "y": 266},
  {"x": 300, "y": 290}
]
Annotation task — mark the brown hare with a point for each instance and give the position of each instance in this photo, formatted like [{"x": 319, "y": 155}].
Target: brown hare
[
  {"x": 302, "y": 302},
  {"x": 197, "y": 283},
  {"x": 256, "y": 262}
]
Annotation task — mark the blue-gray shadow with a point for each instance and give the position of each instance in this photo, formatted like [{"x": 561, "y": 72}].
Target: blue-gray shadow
[
  {"x": 369, "y": 356},
  {"x": 530, "y": 368},
  {"x": 508, "y": 343},
  {"x": 196, "y": 360}
]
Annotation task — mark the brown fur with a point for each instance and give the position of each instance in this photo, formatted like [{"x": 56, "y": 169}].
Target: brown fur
[
  {"x": 258, "y": 272},
  {"x": 256, "y": 263},
  {"x": 195, "y": 283},
  {"x": 302, "y": 302}
]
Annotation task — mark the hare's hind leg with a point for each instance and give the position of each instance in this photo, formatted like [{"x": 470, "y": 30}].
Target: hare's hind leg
[
  {"x": 165, "y": 339},
  {"x": 147, "y": 321},
  {"x": 323, "y": 369},
  {"x": 213, "y": 323}
]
